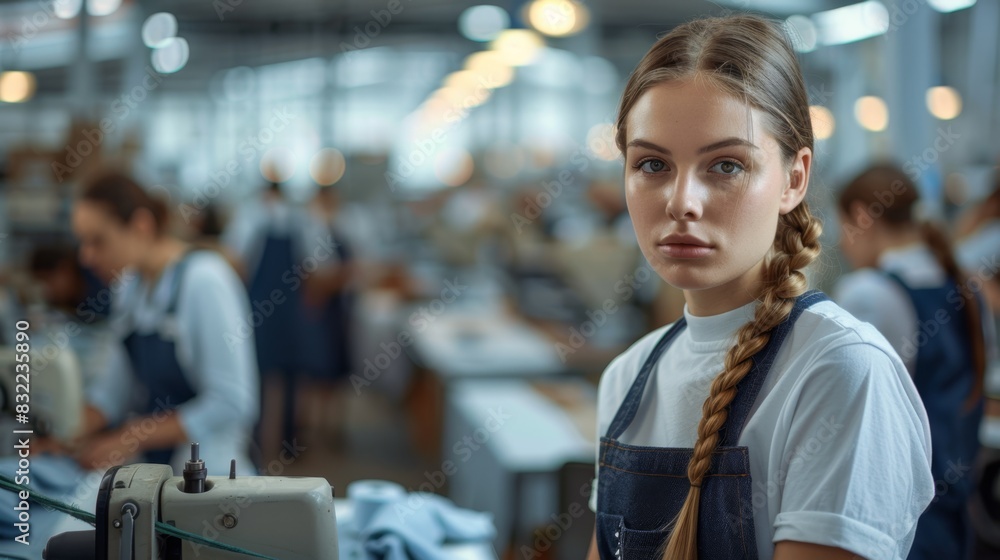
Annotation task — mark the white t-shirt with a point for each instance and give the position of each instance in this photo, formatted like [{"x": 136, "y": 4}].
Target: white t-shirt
[
  {"x": 838, "y": 439},
  {"x": 214, "y": 345},
  {"x": 874, "y": 298}
]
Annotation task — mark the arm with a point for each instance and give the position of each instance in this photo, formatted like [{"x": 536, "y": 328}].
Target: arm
[
  {"x": 156, "y": 431},
  {"x": 792, "y": 550},
  {"x": 592, "y": 554},
  {"x": 213, "y": 311}
]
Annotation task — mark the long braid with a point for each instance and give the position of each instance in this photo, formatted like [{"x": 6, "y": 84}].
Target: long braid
[{"x": 795, "y": 246}]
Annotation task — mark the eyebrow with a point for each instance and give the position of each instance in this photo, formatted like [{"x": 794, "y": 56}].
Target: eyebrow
[{"x": 704, "y": 150}]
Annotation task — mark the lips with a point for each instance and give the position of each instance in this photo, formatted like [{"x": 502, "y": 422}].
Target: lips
[{"x": 684, "y": 246}]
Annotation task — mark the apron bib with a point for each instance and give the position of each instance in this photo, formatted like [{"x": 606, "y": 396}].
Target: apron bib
[{"x": 641, "y": 489}]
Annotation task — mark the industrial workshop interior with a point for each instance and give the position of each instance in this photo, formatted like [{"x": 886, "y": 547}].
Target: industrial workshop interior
[{"x": 520, "y": 280}]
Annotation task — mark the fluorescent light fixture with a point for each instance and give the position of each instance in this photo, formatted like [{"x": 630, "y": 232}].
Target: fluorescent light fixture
[{"x": 851, "y": 23}]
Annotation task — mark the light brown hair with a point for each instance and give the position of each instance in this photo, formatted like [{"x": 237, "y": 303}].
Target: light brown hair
[
  {"x": 749, "y": 58},
  {"x": 121, "y": 196}
]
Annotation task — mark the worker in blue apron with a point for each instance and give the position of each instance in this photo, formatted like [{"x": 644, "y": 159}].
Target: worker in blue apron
[
  {"x": 277, "y": 337},
  {"x": 908, "y": 287},
  {"x": 942, "y": 378},
  {"x": 643, "y": 488},
  {"x": 153, "y": 356}
]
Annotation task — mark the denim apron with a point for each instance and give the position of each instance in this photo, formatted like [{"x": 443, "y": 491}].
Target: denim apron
[
  {"x": 276, "y": 337},
  {"x": 944, "y": 379},
  {"x": 153, "y": 357},
  {"x": 641, "y": 489}
]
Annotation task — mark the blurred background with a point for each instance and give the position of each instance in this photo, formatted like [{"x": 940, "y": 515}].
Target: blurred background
[{"x": 462, "y": 157}]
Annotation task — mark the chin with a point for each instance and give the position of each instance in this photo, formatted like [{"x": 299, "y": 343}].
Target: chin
[{"x": 686, "y": 277}]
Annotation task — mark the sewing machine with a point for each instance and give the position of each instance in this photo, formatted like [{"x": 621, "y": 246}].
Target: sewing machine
[
  {"x": 291, "y": 518},
  {"x": 56, "y": 395}
]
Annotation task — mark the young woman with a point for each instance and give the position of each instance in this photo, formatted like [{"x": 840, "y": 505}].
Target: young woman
[
  {"x": 912, "y": 290},
  {"x": 767, "y": 421},
  {"x": 182, "y": 315}
]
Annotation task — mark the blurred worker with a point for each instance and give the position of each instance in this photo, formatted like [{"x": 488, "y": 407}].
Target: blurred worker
[
  {"x": 329, "y": 303},
  {"x": 912, "y": 290},
  {"x": 65, "y": 285},
  {"x": 978, "y": 249},
  {"x": 279, "y": 248},
  {"x": 190, "y": 373}
]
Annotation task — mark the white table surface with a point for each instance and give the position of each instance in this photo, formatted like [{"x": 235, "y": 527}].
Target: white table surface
[{"x": 485, "y": 345}]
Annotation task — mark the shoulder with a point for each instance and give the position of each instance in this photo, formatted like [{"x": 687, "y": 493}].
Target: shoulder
[
  {"x": 207, "y": 274},
  {"x": 865, "y": 285},
  {"x": 831, "y": 348},
  {"x": 875, "y": 297}
]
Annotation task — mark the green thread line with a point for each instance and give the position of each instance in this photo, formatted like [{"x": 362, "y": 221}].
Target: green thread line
[{"x": 161, "y": 527}]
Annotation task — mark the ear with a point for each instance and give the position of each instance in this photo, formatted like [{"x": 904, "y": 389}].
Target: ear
[
  {"x": 859, "y": 215},
  {"x": 798, "y": 181},
  {"x": 143, "y": 223}
]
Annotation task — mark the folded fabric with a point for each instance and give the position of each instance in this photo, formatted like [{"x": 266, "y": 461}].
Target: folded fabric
[{"x": 417, "y": 527}]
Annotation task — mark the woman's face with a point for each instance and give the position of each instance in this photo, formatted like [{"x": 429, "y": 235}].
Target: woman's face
[
  {"x": 705, "y": 183},
  {"x": 106, "y": 245}
]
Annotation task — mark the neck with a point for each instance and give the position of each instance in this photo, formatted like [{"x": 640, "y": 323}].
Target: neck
[
  {"x": 164, "y": 251},
  {"x": 893, "y": 239},
  {"x": 726, "y": 297}
]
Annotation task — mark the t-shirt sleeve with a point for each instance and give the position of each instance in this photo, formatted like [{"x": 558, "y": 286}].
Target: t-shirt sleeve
[
  {"x": 854, "y": 470},
  {"x": 875, "y": 299}
]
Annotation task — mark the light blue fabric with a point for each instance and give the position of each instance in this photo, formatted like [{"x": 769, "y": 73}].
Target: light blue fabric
[
  {"x": 416, "y": 527},
  {"x": 52, "y": 476}
]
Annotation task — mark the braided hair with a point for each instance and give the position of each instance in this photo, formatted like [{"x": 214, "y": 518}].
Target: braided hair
[{"x": 750, "y": 58}]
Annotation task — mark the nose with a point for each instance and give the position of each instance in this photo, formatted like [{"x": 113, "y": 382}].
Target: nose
[{"x": 683, "y": 199}]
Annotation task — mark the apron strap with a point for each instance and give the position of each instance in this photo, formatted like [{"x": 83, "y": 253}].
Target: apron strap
[
  {"x": 630, "y": 406},
  {"x": 178, "y": 280},
  {"x": 748, "y": 389}
]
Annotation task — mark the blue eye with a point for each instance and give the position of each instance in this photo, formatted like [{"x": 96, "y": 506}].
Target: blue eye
[
  {"x": 727, "y": 167},
  {"x": 651, "y": 166}
]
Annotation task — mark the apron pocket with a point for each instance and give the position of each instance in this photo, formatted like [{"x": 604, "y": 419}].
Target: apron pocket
[{"x": 615, "y": 542}]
